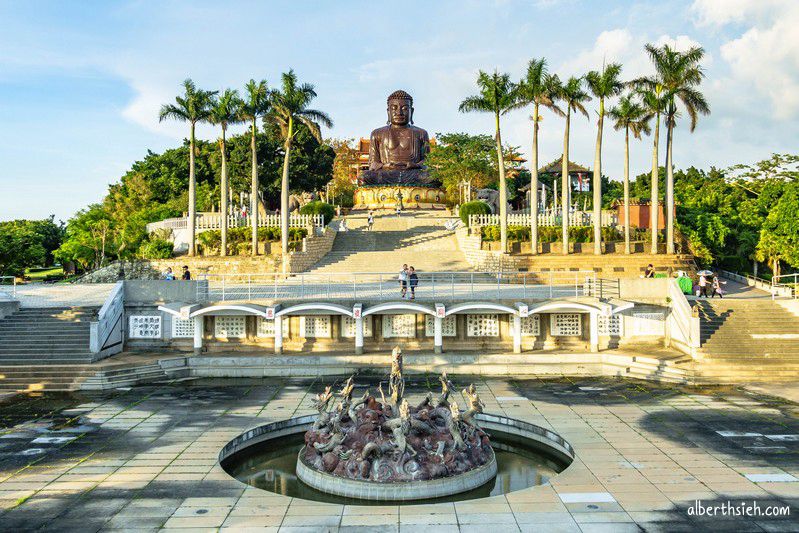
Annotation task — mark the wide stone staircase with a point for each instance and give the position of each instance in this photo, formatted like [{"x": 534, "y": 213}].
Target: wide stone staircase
[
  {"x": 744, "y": 340},
  {"x": 54, "y": 335},
  {"x": 417, "y": 238}
]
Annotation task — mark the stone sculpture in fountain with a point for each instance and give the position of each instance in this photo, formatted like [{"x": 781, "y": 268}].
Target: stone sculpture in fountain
[{"x": 391, "y": 441}]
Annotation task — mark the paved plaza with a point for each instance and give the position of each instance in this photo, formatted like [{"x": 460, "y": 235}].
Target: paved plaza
[{"x": 146, "y": 458}]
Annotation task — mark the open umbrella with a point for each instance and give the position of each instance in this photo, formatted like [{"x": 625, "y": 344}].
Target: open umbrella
[{"x": 705, "y": 273}]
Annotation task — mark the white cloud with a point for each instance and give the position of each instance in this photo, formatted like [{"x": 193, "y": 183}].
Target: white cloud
[{"x": 765, "y": 57}]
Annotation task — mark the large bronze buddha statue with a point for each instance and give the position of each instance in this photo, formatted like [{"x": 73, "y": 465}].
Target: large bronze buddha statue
[{"x": 397, "y": 150}]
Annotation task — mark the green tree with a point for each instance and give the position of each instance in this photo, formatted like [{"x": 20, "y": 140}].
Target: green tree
[
  {"x": 193, "y": 107},
  {"x": 289, "y": 105},
  {"x": 21, "y": 247},
  {"x": 88, "y": 238},
  {"x": 632, "y": 118},
  {"x": 537, "y": 88},
  {"x": 342, "y": 187},
  {"x": 225, "y": 110},
  {"x": 679, "y": 74},
  {"x": 604, "y": 84},
  {"x": 573, "y": 96},
  {"x": 254, "y": 107},
  {"x": 497, "y": 95}
]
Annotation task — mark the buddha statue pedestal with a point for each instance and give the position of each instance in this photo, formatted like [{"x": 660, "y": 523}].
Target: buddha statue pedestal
[{"x": 387, "y": 197}]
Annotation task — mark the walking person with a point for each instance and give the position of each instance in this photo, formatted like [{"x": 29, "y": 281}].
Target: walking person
[
  {"x": 717, "y": 283},
  {"x": 403, "y": 281},
  {"x": 398, "y": 210},
  {"x": 370, "y": 220},
  {"x": 413, "y": 281},
  {"x": 703, "y": 286}
]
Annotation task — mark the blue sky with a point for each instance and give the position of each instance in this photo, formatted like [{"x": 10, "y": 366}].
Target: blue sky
[{"x": 81, "y": 82}]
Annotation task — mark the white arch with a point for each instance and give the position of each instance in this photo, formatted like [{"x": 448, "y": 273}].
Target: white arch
[
  {"x": 479, "y": 306},
  {"x": 316, "y": 306},
  {"x": 564, "y": 306},
  {"x": 399, "y": 306},
  {"x": 247, "y": 309}
]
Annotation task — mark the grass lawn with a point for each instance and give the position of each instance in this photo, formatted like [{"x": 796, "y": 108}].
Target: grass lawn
[{"x": 38, "y": 274}]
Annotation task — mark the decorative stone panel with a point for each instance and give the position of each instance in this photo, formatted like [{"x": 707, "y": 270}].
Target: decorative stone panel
[
  {"x": 230, "y": 327},
  {"x": 531, "y": 326},
  {"x": 399, "y": 326},
  {"x": 447, "y": 326},
  {"x": 566, "y": 325},
  {"x": 181, "y": 328},
  {"x": 266, "y": 327},
  {"x": 609, "y": 325},
  {"x": 144, "y": 327},
  {"x": 316, "y": 327},
  {"x": 482, "y": 325},
  {"x": 348, "y": 327}
]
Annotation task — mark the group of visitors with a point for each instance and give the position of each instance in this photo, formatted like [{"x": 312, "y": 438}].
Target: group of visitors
[
  {"x": 170, "y": 276},
  {"x": 408, "y": 278},
  {"x": 714, "y": 284}
]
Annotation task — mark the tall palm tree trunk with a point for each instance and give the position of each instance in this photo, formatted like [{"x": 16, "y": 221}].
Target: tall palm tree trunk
[
  {"x": 254, "y": 194},
  {"x": 654, "y": 203},
  {"x": 627, "y": 190},
  {"x": 565, "y": 187},
  {"x": 224, "y": 204},
  {"x": 284, "y": 198},
  {"x": 669, "y": 190},
  {"x": 503, "y": 192},
  {"x": 192, "y": 198},
  {"x": 597, "y": 185},
  {"x": 534, "y": 186}
]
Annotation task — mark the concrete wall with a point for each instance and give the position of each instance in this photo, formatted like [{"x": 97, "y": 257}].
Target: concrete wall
[
  {"x": 8, "y": 307},
  {"x": 314, "y": 248},
  {"x": 650, "y": 290},
  {"x": 159, "y": 291}
]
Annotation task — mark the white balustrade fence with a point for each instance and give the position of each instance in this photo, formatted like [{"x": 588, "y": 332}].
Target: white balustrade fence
[
  {"x": 214, "y": 221},
  {"x": 546, "y": 218},
  {"x": 385, "y": 286},
  {"x": 786, "y": 285}
]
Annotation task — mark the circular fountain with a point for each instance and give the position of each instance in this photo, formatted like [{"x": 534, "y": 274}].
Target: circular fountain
[{"x": 368, "y": 449}]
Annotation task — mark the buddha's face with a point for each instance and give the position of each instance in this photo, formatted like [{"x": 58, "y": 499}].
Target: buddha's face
[{"x": 400, "y": 111}]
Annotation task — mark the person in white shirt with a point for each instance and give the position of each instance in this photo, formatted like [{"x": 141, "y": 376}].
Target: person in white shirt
[
  {"x": 403, "y": 280},
  {"x": 370, "y": 221},
  {"x": 703, "y": 286}
]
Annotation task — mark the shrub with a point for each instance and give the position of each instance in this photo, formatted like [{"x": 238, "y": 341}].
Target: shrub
[
  {"x": 548, "y": 234},
  {"x": 319, "y": 208},
  {"x": 473, "y": 208},
  {"x": 156, "y": 249}
]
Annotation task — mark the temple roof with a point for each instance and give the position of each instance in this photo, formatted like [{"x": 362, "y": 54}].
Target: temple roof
[{"x": 555, "y": 167}]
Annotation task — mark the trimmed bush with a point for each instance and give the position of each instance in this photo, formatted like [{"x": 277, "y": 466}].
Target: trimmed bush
[
  {"x": 238, "y": 239},
  {"x": 319, "y": 208},
  {"x": 549, "y": 234},
  {"x": 156, "y": 249},
  {"x": 473, "y": 208}
]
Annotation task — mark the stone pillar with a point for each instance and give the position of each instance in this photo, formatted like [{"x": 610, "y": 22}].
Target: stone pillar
[
  {"x": 517, "y": 334},
  {"x": 198, "y": 334},
  {"x": 593, "y": 331},
  {"x": 359, "y": 336},
  {"x": 278, "y": 335},
  {"x": 438, "y": 337}
]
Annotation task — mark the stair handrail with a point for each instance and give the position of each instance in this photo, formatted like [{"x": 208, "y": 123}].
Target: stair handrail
[
  {"x": 790, "y": 289},
  {"x": 109, "y": 321},
  {"x": 685, "y": 326}
]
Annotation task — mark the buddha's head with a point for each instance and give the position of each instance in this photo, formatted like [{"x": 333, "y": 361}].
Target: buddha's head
[{"x": 400, "y": 108}]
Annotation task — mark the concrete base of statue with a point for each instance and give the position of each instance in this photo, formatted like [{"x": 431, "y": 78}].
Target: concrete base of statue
[{"x": 388, "y": 196}]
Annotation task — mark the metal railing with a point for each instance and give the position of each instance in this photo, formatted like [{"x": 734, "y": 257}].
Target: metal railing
[
  {"x": 785, "y": 285},
  {"x": 385, "y": 286},
  {"x": 8, "y": 284},
  {"x": 214, "y": 221},
  {"x": 547, "y": 218}
]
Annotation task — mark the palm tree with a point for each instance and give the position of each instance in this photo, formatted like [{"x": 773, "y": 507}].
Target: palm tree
[
  {"x": 653, "y": 100},
  {"x": 256, "y": 105},
  {"x": 289, "y": 105},
  {"x": 497, "y": 95},
  {"x": 193, "y": 107},
  {"x": 573, "y": 95},
  {"x": 226, "y": 111},
  {"x": 604, "y": 84},
  {"x": 631, "y": 117},
  {"x": 537, "y": 88},
  {"x": 680, "y": 74}
]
